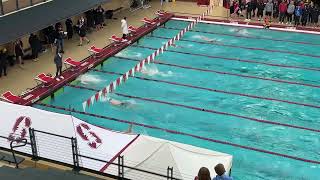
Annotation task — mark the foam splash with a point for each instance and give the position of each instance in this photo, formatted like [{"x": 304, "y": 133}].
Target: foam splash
[
  {"x": 152, "y": 70},
  {"x": 129, "y": 54},
  {"x": 89, "y": 79}
]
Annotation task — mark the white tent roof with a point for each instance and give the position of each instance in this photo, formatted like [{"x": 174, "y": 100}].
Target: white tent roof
[{"x": 155, "y": 155}]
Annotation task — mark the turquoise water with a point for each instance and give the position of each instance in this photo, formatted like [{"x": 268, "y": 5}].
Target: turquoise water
[{"x": 197, "y": 71}]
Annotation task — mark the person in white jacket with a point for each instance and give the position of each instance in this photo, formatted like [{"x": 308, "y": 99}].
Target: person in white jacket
[{"x": 124, "y": 27}]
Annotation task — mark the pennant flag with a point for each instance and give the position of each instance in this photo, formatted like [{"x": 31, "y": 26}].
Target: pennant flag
[
  {"x": 124, "y": 77},
  {"x": 100, "y": 94},
  {"x": 97, "y": 96},
  {"x": 137, "y": 68},
  {"x": 84, "y": 106},
  {"x": 105, "y": 91},
  {"x": 132, "y": 74},
  {"x": 118, "y": 81},
  {"x": 89, "y": 102}
]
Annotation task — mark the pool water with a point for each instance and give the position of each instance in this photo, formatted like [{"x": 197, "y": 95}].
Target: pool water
[{"x": 216, "y": 92}]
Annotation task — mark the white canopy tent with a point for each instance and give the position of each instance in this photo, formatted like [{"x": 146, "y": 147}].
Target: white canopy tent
[{"x": 155, "y": 155}]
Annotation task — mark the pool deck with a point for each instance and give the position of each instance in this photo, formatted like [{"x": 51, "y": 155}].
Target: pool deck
[{"x": 18, "y": 80}]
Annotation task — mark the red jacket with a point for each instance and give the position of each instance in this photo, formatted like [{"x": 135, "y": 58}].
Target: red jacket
[{"x": 283, "y": 7}]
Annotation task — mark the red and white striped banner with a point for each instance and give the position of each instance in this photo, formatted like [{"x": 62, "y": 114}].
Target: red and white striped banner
[{"x": 123, "y": 78}]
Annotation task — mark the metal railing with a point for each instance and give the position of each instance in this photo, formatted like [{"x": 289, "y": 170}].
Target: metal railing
[
  {"x": 10, "y": 6},
  {"x": 64, "y": 150}
]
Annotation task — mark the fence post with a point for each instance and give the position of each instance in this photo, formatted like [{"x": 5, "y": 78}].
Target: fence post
[
  {"x": 17, "y": 5},
  {"x": 31, "y": 3},
  {"x": 120, "y": 167},
  {"x": 170, "y": 173},
  {"x": 75, "y": 154},
  {"x": 1, "y": 7},
  {"x": 33, "y": 142}
]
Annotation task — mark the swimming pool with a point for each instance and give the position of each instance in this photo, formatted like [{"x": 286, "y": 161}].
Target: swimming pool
[{"x": 251, "y": 93}]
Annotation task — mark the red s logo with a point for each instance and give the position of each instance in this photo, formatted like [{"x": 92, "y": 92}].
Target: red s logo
[
  {"x": 84, "y": 132},
  {"x": 20, "y": 128}
]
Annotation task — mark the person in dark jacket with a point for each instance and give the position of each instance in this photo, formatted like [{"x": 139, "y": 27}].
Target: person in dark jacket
[
  {"x": 35, "y": 45},
  {"x": 90, "y": 18},
  {"x": 99, "y": 17},
  {"x": 19, "y": 52},
  {"x": 82, "y": 31},
  {"x": 249, "y": 10},
  {"x": 305, "y": 15},
  {"x": 314, "y": 15},
  {"x": 59, "y": 38},
  {"x": 3, "y": 62},
  {"x": 260, "y": 7},
  {"x": 69, "y": 26},
  {"x": 58, "y": 62}
]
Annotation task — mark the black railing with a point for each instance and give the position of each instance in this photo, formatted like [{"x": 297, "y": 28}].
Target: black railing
[
  {"x": 9, "y": 6},
  {"x": 64, "y": 150}
]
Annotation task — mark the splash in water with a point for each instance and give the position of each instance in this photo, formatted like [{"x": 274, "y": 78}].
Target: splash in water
[
  {"x": 152, "y": 70},
  {"x": 129, "y": 54},
  {"x": 89, "y": 79}
]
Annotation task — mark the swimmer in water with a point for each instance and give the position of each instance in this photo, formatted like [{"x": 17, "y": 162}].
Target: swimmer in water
[
  {"x": 210, "y": 40},
  {"x": 115, "y": 102},
  {"x": 176, "y": 46}
]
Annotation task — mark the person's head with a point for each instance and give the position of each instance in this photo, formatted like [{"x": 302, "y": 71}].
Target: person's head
[
  {"x": 204, "y": 174},
  {"x": 4, "y": 50},
  {"x": 125, "y": 18},
  {"x": 219, "y": 168},
  {"x": 292, "y": 2},
  {"x": 61, "y": 52}
]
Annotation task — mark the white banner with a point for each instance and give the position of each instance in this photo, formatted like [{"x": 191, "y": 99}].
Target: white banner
[{"x": 92, "y": 141}]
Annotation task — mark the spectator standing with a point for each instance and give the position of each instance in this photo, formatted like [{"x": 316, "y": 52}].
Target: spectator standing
[
  {"x": 99, "y": 18},
  {"x": 221, "y": 173},
  {"x": 35, "y": 45},
  {"x": 260, "y": 7},
  {"x": 19, "y": 52},
  {"x": 58, "y": 62},
  {"x": 90, "y": 18},
  {"x": 249, "y": 10},
  {"x": 82, "y": 31},
  {"x": 290, "y": 12},
  {"x": 69, "y": 26},
  {"x": 3, "y": 62},
  {"x": 59, "y": 38},
  {"x": 305, "y": 15},
  {"x": 314, "y": 16},
  {"x": 283, "y": 10},
  {"x": 254, "y": 7},
  {"x": 275, "y": 9},
  {"x": 297, "y": 14},
  {"x": 269, "y": 9},
  {"x": 124, "y": 27},
  {"x": 203, "y": 174}
]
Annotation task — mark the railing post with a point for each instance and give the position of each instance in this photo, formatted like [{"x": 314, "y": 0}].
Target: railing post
[
  {"x": 33, "y": 142},
  {"x": 120, "y": 167},
  {"x": 75, "y": 154},
  {"x": 1, "y": 8},
  {"x": 31, "y": 3},
  {"x": 17, "y": 4},
  {"x": 170, "y": 173}
]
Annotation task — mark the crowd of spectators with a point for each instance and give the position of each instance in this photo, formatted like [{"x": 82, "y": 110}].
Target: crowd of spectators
[{"x": 295, "y": 12}]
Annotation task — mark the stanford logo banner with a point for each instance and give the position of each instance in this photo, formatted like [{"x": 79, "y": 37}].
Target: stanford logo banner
[{"x": 20, "y": 129}]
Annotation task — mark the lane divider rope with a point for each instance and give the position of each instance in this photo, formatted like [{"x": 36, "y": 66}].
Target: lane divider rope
[
  {"x": 123, "y": 78},
  {"x": 204, "y": 110},
  {"x": 216, "y": 90}
]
